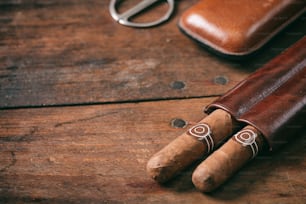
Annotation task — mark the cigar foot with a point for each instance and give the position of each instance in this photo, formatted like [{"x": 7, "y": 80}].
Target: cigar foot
[
  {"x": 203, "y": 180},
  {"x": 175, "y": 157},
  {"x": 157, "y": 170}
]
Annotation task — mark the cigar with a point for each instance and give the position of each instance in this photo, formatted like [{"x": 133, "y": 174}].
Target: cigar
[
  {"x": 230, "y": 157},
  {"x": 199, "y": 140}
]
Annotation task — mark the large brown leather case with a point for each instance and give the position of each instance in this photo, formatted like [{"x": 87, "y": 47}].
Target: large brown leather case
[
  {"x": 272, "y": 99},
  {"x": 238, "y": 27}
]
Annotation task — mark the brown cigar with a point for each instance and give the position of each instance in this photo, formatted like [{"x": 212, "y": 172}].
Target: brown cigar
[
  {"x": 225, "y": 161},
  {"x": 199, "y": 140}
]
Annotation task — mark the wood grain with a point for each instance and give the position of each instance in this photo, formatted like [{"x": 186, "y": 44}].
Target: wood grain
[
  {"x": 98, "y": 154},
  {"x": 108, "y": 93},
  {"x": 72, "y": 52}
]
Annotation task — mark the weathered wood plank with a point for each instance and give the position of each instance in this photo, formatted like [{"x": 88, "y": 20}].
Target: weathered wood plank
[
  {"x": 73, "y": 52},
  {"x": 97, "y": 154}
]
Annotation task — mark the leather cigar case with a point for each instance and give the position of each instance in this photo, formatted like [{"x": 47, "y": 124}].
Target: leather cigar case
[
  {"x": 237, "y": 28},
  {"x": 272, "y": 99}
]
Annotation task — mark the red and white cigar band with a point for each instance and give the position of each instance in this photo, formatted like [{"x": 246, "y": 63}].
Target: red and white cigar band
[
  {"x": 247, "y": 137},
  {"x": 203, "y": 132}
]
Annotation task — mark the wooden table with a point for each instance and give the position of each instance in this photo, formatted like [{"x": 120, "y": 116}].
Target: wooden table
[{"x": 85, "y": 102}]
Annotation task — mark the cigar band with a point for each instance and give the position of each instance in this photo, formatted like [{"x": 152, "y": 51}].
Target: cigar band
[
  {"x": 247, "y": 137},
  {"x": 203, "y": 133}
]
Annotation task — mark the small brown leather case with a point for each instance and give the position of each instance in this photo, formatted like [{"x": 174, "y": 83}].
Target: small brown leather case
[
  {"x": 272, "y": 99},
  {"x": 238, "y": 27}
]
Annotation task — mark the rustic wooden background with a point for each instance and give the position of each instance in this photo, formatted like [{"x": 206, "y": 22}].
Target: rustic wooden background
[{"x": 85, "y": 102}]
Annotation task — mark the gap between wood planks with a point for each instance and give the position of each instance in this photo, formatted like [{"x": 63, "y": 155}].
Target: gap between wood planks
[{"x": 108, "y": 103}]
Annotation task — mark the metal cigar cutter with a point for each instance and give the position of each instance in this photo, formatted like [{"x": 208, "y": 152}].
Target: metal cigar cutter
[{"x": 124, "y": 18}]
